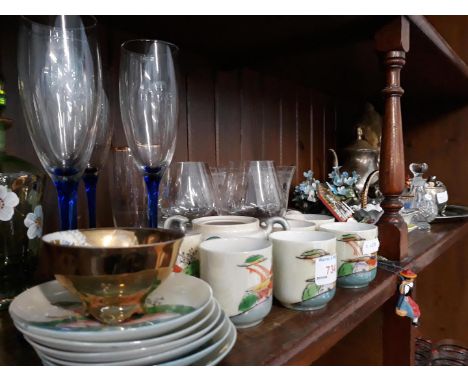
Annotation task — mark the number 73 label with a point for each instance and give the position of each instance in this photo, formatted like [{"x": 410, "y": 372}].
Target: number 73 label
[{"x": 325, "y": 270}]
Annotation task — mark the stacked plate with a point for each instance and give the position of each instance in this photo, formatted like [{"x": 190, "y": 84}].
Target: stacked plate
[{"x": 184, "y": 325}]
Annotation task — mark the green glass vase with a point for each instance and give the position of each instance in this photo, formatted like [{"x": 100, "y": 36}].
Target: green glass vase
[{"x": 21, "y": 215}]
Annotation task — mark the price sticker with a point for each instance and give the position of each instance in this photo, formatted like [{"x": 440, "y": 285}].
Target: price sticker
[
  {"x": 442, "y": 197},
  {"x": 370, "y": 246},
  {"x": 325, "y": 270}
]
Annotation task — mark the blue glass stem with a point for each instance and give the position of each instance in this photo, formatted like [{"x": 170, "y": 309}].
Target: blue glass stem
[
  {"x": 67, "y": 190},
  {"x": 90, "y": 178},
  {"x": 152, "y": 180}
]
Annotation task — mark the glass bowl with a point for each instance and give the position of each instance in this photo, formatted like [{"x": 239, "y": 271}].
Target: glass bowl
[{"x": 112, "y": 270}]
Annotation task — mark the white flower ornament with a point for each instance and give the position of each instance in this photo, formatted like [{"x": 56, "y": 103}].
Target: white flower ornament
[
  {"x": 33, "y": 221},
  {"x": 8, "y": 201}
]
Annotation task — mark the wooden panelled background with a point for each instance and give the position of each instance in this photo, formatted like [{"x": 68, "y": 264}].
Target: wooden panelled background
[
  {"x": 224, "y": 115},
  {"x": 442, "y": 143}
]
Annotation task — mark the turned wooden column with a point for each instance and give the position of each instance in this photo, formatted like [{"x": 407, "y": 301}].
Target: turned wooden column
[
  {"x": 397, "y": 332},
  {"x": 393, "y": 42}
]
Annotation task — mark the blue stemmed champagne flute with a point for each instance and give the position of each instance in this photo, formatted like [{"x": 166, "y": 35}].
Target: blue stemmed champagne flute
[
  {"x": 149, "y": 109},
  {"x": 98, "y": 157},
  {"x": 59, "y": 77}
]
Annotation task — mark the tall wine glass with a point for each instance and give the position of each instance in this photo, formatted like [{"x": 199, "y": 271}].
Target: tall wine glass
[
  {"x": 59, "y": 77},
  {"x": 149, "y": 109},
  {"x": 98, "y": 157}
]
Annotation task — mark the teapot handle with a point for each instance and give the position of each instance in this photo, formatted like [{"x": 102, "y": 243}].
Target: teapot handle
[
  {"x": 181, "y": 222},
  {"x": 272, "y": 221}
]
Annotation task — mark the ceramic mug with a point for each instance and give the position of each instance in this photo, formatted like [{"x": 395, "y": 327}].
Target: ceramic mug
[
  {"x": 188, "y": 259},
  {"x": 314, "y": 218},
  {"x": 305, "y": 268},
  {"x": 357, "y": 246},
  {"x": 236, "y": 226},
  {"x": 297, "y": 225},
  {"x": 239, "y": 270}
]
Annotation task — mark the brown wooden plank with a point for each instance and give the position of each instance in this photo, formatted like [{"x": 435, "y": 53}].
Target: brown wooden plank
[
  {"x": 304, "y": 133},
  {"x": 329, "y": 131},
  {"x": 201, "y": 115},
  {"x": 298, "y": 338},
  {"x": 288, "y": 124},
  {"x": 251, "y": 116},
  {"x": 228, "y": 117},
  {"x": 318, "y": 136},
  {"x": 398, "y": 337},
  {"x": 271, "y": 119},
  {"x": 181, "y": 149}
]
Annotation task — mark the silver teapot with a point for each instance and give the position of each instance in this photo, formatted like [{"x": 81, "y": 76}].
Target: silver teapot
[{"x": 363, "y": 158}]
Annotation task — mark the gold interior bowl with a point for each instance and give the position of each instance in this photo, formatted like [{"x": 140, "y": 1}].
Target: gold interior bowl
[{"x": 112, "y": 270}]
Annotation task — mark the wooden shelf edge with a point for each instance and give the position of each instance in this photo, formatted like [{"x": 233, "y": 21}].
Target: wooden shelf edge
[
  {"x": 344, "y": 313},
  {"x": 433, "y": 35},
  {"x": 418, "y": 260}
]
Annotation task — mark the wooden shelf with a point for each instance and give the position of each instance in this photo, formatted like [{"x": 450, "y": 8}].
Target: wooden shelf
[
  {"x": 298, "y": 338},
  {"x": 287, "y": 336}
]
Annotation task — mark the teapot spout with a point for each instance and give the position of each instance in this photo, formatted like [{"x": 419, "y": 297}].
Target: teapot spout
[{"x": 335, "y": 158}]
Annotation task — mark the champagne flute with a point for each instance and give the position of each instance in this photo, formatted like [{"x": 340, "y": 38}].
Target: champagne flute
[
  {"x": 98, "y": 157},
  {"x": 127, "y": 190},
  {"x": 59, "y": 77},
  {"x": 149, "y": 109}
]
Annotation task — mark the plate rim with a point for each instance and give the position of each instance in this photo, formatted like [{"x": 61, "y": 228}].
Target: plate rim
[
  {"x": 209, "y": 349},
  {"x": 135, "y": 343},
  {"x": 440, "y": 218},
  {"x": 119, "y": 363},
  {"x": 215, "y": 319},
  {"x": 127, "y": 333}
]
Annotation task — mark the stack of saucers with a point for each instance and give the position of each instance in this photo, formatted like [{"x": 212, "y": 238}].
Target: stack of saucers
[{"x": 183, "y": 325}]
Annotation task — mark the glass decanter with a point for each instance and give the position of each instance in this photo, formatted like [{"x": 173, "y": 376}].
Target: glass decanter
[{"x": 423, "y": 201}]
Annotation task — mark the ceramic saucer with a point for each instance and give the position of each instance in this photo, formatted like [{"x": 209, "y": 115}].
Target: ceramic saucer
[
  {"x": 82, "y": 347},
  {"x": 227, "y": 337},
  {"x": 50, "y": 310},
  {"x": 173, "y": 354},
  {"x": 123, "y": 355}
]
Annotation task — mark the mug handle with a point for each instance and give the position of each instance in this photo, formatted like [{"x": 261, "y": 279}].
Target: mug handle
[
  {"x": 181, "y": 222},
  {"x": 272, "y": 221}
]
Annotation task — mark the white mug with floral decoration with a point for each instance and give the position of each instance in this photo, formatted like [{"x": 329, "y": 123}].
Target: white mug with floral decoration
[
  {"x": 357, "y": 246},
  {"x": 304, "y": 264},
  {"x": 240, "y": 272}
]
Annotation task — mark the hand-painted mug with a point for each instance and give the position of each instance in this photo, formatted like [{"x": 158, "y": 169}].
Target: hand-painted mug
[
  {"x": 239, "y": 270},
  {"x": 188, "y": 259},
  {"x": 314, "y": 218},
  {"x": 357, "y": 246},
  {"x": 304, "y": 264}
]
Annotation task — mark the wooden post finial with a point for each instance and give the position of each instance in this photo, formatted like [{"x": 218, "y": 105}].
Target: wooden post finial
[{"x": 393, "y": 41}]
